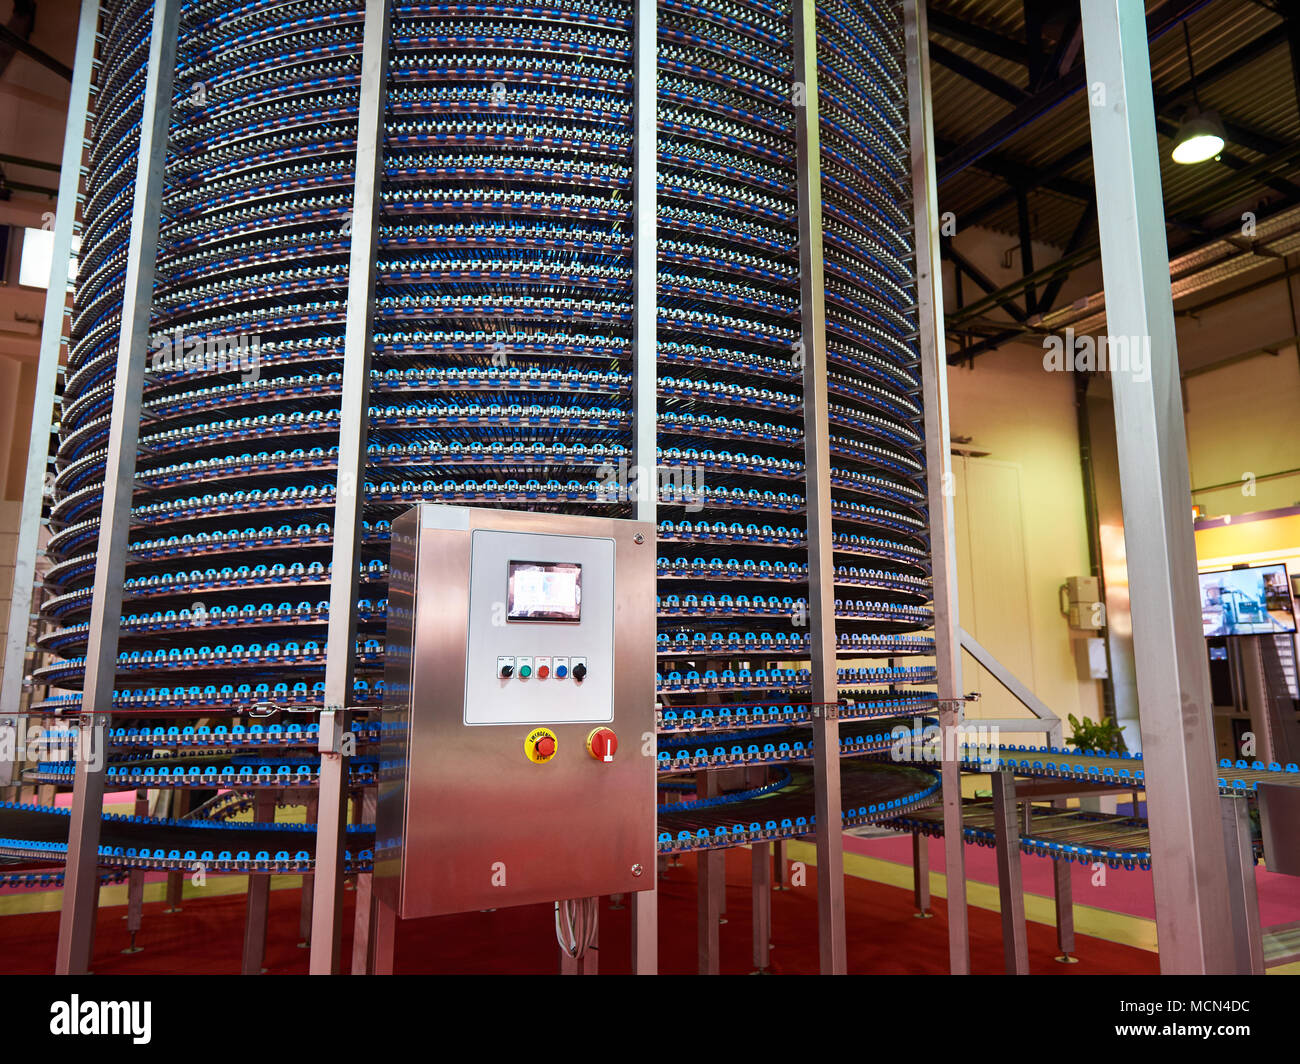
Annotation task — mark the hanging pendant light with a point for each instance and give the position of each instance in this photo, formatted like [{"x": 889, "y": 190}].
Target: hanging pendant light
[{"x": 1200, "y": 135}]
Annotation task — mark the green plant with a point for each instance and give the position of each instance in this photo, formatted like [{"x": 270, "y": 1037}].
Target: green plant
[{"x": 1092, "y": 735}]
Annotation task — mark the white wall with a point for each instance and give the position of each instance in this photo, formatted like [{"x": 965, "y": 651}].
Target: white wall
[
  {"x": 1244, "y": 419},
  {"x": 1025, "y": 418}
]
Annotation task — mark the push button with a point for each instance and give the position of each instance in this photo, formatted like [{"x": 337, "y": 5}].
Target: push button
[
  {"x": 525, "y": 671},
  {"x": 543, "y": 671},
  {"x": 579, "y": 671},
  {"x": 540, "y": 745}
]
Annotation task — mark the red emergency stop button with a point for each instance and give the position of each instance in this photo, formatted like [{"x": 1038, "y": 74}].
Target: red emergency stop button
[
  {"x": 540, "y": 745},
  {"x": 602, "y": 744}
]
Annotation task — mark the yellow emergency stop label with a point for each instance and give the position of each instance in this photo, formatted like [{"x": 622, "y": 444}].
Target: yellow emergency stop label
[{"x": 541, "y": 745}]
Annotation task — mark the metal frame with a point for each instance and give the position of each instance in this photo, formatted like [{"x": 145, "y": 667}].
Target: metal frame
[
  {"x": 1015, "y": 687},
  {"x": 832, "y": 942},
  {"x": 645, "y": 355},
  {"x": 1188, "y": 859},
  {"x": 1247, "y": 934},
  {"x": 934, "y": 394},
  {"x": 1006, "y": 830},
  {"x": 47, "y": 371},
  {"x": 77, "y": 923},
  {"x": 349, "y": 499}
]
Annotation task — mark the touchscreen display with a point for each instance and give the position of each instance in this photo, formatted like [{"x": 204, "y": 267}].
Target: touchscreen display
[{"x": 544, "y": 591}]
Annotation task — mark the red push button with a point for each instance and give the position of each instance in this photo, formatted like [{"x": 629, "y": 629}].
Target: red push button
[
  {"x": 602, "y": 744},
  {"x": 543, "y": 671},
  {"x": 544, "y": 747}
]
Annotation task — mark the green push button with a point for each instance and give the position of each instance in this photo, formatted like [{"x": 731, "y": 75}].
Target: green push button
[{"x": 525, "y": 671}]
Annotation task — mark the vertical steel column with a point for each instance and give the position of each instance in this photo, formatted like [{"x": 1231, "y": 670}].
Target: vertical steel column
[
  {"x": 47, "y": 371},
  {"x": 77, "y": 922},
  {"x": 385, "y": 939},
  {"x": 832, "y": 946},
  {"x": 710, "y": 882},
  {"x": 349, "y": 499},
  {"x": 135, "y": 884},
  {"x": 761, "y": 876},
  {"x": 363, "y": 926},
  {"x": 1173, "y": 677},
  {"x": 645, "y": 358},
  {"x": 1254, "y": 688},
  {"x": 1063, "y": 896},
  {"x": 1247, "y": 935},
  {"x": 708, "y": 913},
  {"x": 938, "y": 463},
  {"x": 921, "y": 875},
  {"x": 177, "y": 807},
  {"x": 259, "y": 896},
  {"x": 308, "y": 887},
  {"x": 1006, "y": 831}
]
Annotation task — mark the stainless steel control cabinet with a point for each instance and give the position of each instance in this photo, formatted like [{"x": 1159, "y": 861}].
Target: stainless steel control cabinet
[{"x": 516, "y": 643}]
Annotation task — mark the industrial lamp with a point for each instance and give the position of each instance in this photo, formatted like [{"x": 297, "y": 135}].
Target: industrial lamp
[{"x": 1200, "y": 137}]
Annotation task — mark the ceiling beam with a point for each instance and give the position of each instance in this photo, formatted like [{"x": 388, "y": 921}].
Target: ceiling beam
[
  {"x": 966, "y": 32},
  {"x": 976, "y": 74},
  {"x": 977, "y": 275},
  {"x": 1170, "y": 14},
  {"x": 1081, "y": 229},
  {"x": 20, "y": 44},
  {"x": 1065, "y": 264},
  {"x": 1166, "y": 103}
]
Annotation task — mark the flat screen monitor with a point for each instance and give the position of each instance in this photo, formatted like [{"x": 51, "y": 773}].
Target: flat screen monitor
[{"x": 1255, "y": 600}]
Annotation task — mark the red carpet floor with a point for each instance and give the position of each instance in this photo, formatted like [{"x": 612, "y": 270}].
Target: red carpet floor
[{"x": 884, "y": 936}]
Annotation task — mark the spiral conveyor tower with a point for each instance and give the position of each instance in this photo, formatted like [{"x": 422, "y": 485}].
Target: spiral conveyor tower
[{"x": 501, "y": 375}]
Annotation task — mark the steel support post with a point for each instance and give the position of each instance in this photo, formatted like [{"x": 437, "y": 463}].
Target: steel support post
[
  {"x": 1254, "y": 686},
  {"x": 259, "y": 896},
  {"x": 645, "y": 357},
  {"x": 708, "y": 911},
  {"x": 1188, "y": 860},
  {"x": 176, "y": 808},
  {"x": 832, "y": 946},
  {"x": 76, "y": 924},
  {"x": 1063, "y": 894},
  {"x": 589, "y": 962},
  {"x": 385, "y": 939},
  {"x": 938, "y": 461},
  {"x": 1247, "y": 934},
  {"x": 175, "y": 891},
  {"x": 363, "y": 927},
  {"x": 47, "y": 372},
  {"x": 761, "y": 876},
  {"x": 921, "y": 875},
  {"x": 349, "y": 499},
  {"x": 308, "y": 888},
  {"x": 710, "y": 883},
  {"x": 1015, "y": 941},
  {"x": 135, "y": 884},
  {"x": 781, "y": 865}
]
